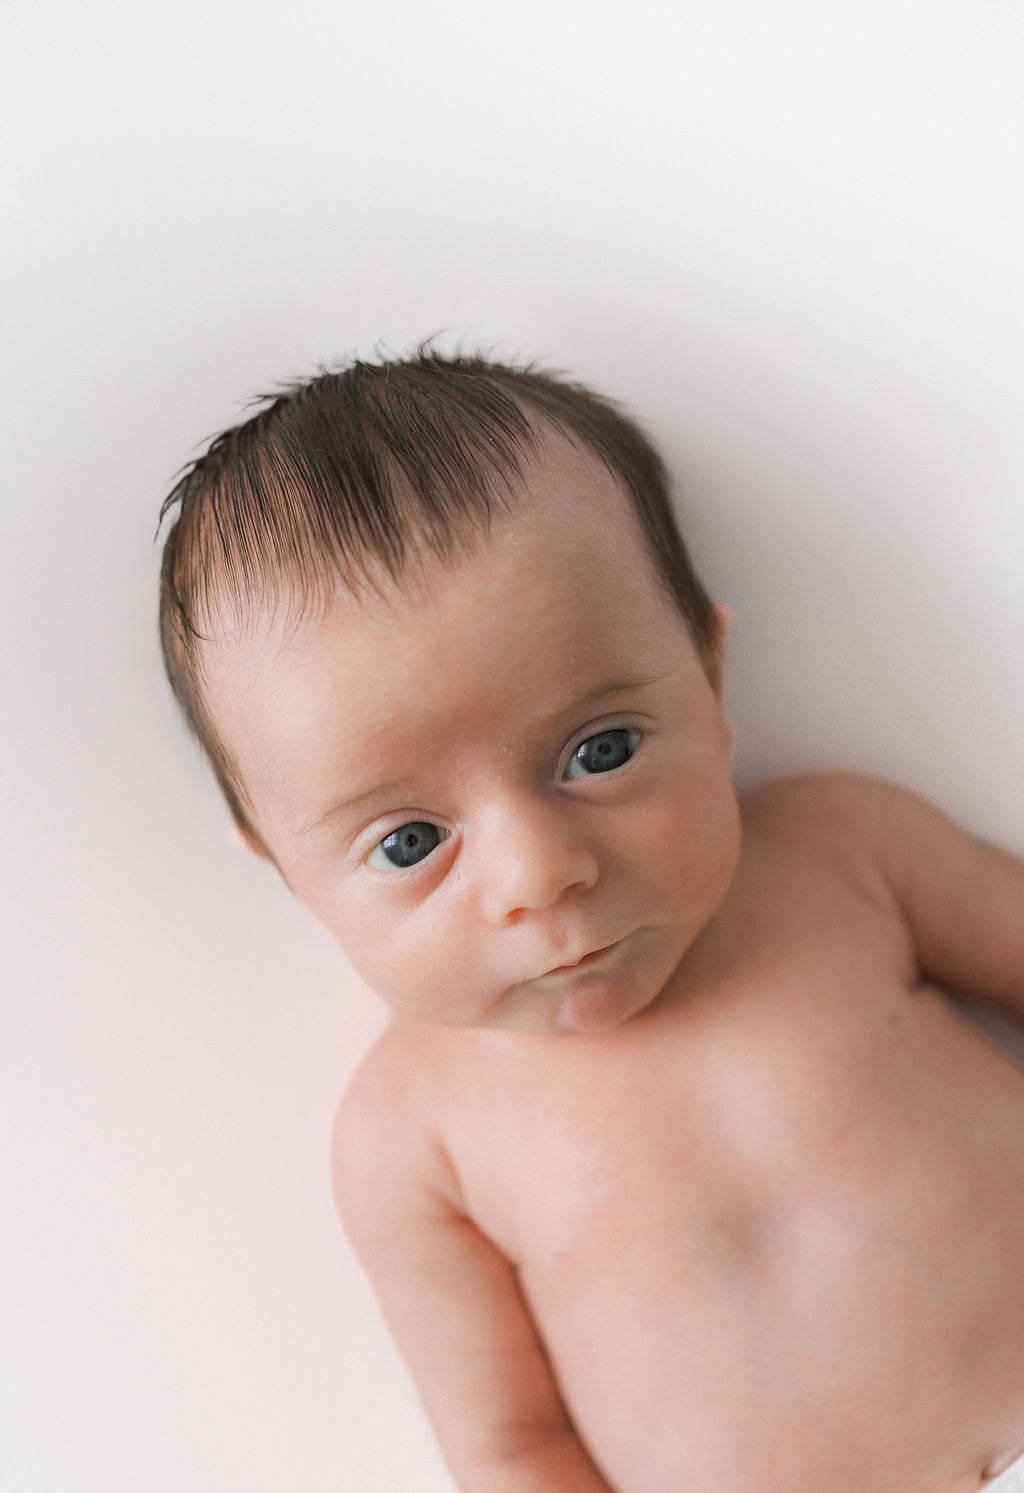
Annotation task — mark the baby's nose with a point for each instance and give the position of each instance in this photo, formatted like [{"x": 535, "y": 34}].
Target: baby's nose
[{"x": 532, "y": 857}]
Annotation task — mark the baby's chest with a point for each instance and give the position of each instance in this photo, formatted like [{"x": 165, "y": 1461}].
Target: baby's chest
[
  {"x": 771, "y": 1224},
  {"x": 769, "y": 1157}
]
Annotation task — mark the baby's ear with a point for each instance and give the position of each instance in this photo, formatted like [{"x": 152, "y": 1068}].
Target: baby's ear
[
  {"x": 244, "y": 839},
  {"x": 721, "y": 621}
]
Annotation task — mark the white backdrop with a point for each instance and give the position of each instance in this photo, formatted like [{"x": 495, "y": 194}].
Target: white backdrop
[{"x": 790, "y": 235}]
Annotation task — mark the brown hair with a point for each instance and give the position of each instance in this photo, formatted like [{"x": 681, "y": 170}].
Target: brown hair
[{"x": 342, "y": 475}]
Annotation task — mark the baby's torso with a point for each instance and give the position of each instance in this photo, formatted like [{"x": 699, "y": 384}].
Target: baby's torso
[{"x": 772, "y": 1231}]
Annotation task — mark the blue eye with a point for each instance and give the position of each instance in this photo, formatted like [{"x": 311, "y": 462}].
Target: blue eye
[
  {"x": 406, "y": 846},
  {"x": 603, "y": 752}
]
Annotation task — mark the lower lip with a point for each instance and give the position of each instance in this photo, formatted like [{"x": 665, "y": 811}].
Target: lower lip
[{"x": 600, "y": 999}]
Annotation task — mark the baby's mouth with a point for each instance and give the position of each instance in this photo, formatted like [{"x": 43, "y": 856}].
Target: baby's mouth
[{"x": 584, "y": 961}]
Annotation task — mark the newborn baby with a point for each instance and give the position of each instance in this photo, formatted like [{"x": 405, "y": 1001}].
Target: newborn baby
[{"x": 673, "y": 1172}]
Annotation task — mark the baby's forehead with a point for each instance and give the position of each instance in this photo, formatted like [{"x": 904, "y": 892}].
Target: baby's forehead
[
  {"x": 565, "y": 495},
  {"x": 486, "y": 653},
  {"x": 569, "y": 537}
]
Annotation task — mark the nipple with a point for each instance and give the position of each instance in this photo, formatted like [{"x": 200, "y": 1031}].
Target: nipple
[{"x": 1000, "y": 1464}]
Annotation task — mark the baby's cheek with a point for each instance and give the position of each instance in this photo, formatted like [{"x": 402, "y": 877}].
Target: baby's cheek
[
  {"x": 411, "y": 968},
  {"x": 691, "y": 844},
  {"x": 670, "y": 829}
]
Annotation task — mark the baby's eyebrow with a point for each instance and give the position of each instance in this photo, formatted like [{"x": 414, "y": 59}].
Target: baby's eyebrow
[
  {"x": 379, "y": 790},
  {"x": 400, "y": 785},
  {"x": 618, "y": 687}
]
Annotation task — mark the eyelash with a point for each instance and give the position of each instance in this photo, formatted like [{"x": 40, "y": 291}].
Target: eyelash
[
  {"x": 630, "y": 731},
  {"x": 444, "y": 834},
  {"x": 413, "y": 827}
]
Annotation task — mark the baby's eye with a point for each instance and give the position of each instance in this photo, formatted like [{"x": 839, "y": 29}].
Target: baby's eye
[
  {"x": 406, "y": 846},
  {"x": 603, "y": 752}
]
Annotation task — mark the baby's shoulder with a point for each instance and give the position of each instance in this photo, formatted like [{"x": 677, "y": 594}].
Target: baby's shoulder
[
  {"x": 815, "y": 803},
  {"x": 386, "y": 1154},
  {"x": 851, "y": 821},
  {"x": 390, "y": 1086}
]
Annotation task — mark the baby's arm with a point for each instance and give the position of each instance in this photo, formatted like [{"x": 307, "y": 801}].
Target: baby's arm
[
  {"x": 961, "y": 899},
  {"x": 451, "y": 1302}
]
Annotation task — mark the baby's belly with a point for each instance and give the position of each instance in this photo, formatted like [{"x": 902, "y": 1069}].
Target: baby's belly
[{"x": 823, "y": 1292}]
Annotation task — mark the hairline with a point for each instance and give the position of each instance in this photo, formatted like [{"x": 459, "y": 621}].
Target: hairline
[
  {"x": 223, "y": 578},
  {"x": 364, "y": 582}
]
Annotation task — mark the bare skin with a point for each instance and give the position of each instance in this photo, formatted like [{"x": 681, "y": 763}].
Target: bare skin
[
  {"x": 772, "y": 1230},
  {"x": 673, "y": 1171}
]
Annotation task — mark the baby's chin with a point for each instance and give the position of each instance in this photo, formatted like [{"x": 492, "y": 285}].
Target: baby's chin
[
  {"x": 604, "y": 993},
  {"x": 598, "y": 1005}
]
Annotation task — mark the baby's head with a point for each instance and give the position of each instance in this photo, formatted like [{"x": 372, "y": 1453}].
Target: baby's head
[{"x": 434, "y": 626}]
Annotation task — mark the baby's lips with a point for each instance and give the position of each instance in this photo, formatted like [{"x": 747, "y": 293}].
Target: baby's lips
[{"x": 585, "y": 959}]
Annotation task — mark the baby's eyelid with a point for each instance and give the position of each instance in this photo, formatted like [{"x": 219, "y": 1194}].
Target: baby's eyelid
[
  {"x": 390, "y": 824},
  {"x": 635, "y": 733},
  {"x": 382, "y": 863}
]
